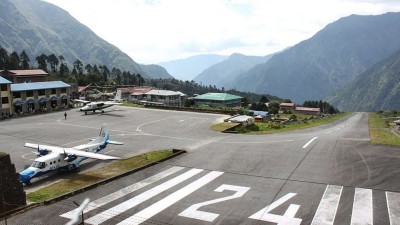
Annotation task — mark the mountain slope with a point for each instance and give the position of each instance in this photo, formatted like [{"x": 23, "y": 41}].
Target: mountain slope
[
  {"x": 223, "y": 73},
  {"x": 187, "y": 69},
  {"x": 376, "y": 89},
  {"x": 315, "y": 68},
  {"x": 40, "y": 27}
]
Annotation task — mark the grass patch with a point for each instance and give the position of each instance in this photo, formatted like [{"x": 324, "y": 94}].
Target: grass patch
[
  {"x": 276, "y": 127},
  {"x": 223, "y": 126},
  {"x": 379, "y": 129},
  {"x": 131, "y": 104},
  {"x": 82, "y": 180}
]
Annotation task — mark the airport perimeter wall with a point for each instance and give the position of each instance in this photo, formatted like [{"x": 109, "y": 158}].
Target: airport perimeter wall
[{"x": 12, "y": 194}]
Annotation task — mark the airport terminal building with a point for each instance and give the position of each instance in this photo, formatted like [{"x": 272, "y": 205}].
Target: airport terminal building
[{"x": 25, "y": 92}]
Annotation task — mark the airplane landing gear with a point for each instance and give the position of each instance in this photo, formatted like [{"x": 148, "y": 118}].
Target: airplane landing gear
[{"x": 102, "y": 111}]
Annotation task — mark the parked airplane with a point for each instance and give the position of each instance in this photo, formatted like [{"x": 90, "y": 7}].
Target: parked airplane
[
  {"x": 118, "y": 97},
  {"x": 93, "y": 106},
  {"x": 51, "y": 158}
]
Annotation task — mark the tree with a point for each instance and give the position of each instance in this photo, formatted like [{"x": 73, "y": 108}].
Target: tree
[
  {"x": 41, "y": 60},
  {"x": 13, "y": 61},
  {"x": 53, "y": 61},
  {"x": 264, "y": 99},
  {"x": 88, "y": 68},
  {"x": 274, "y": 107},
  {"x": 78, "y": 67},
  {"x": 3, "y": 58},
  {"x": 24, "y": 60}
]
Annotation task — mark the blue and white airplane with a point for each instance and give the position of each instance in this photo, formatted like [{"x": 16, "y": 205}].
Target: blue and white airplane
[{"x": 52, "y": 158}]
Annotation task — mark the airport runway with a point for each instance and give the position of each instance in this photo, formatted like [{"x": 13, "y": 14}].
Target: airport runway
[{"x": 325, "y": 175}]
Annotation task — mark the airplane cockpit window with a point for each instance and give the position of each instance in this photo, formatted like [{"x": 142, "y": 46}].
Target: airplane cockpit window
[{"x": 39, "y": 165}]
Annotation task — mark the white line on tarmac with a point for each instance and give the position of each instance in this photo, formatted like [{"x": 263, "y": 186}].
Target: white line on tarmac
[
  {"x": 328, "y": 132},
  {"x": 393, "y": 204},
  {"x": 326, "y": 212},
  {"x": 166, "y": 202},
  {"x": 124, "y": 191},
  {"x": 362, "y": 207},
  {"x": 309, "y": 142},
  {"x": 138, "y": 199}
]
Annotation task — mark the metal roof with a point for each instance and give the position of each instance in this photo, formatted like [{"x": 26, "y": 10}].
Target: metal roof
[
  {"x": 217, "y": 96},
  {"x": 38, "y": 85},
  {"x": 163, "y": 93},
  {"x": 4, "y": 81}
]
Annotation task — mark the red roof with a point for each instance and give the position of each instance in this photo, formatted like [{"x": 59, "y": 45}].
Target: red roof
[
  {"x": 25, "y": 72},
  {"x": 141, "y": 90},
  {"x": 308, "y": 109},
  {"x": 82, "y": 88},
  {"x": 287, "y": 104}
]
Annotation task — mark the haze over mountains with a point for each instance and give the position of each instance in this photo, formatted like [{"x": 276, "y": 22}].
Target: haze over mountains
[
  {"x": 189, "y": 68},
  {"x": 353, "y": 62},
  {"x": 39, "y": 27}
]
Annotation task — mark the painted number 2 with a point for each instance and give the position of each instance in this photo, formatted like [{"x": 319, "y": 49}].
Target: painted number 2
[
  {"x": 193, "y": 212},
  {"x": 285, "y": 219}
]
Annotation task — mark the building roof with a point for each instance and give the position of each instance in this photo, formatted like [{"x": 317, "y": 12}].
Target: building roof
[
  {"x": 38, "y": 85},
  {"x": 285, "y": 104},
  {"x": 25, "y": 72},
  {"x": 240, "y": 118},
  {"x": 83, "y": 88},
  {"x": 164, "y": 92},
  {"x": 141, "y": 90},
  {"x": 308, "y": 109},
  {"x": 217, "y": 97},
  {"x": 259, "y": 113},
  {"x": 4, "y": 81}
]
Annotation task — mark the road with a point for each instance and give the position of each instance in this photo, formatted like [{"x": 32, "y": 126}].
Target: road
[{"x": 330, "y": 174}]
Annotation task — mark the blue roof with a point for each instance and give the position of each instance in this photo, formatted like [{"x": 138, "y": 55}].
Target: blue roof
[
  {"x": 4, "y": 81},
  {"x": 261, "y": 113},
  {"x": 38, "y": 85}
]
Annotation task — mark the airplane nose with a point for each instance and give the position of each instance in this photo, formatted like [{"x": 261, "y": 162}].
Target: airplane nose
[{"x": 25, "y": 176}]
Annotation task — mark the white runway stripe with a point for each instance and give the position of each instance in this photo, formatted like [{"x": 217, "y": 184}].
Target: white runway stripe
[
  {"x": 166, "y": 202},
  {"x": 120, "y": 208},
  {"x": 362, "y": 207},
  {"x": 393, "y": 204},
  {"x": 308, "y": 143},
  {"x": 326, "y": 212},
  {"x": 122, "y": 192}
]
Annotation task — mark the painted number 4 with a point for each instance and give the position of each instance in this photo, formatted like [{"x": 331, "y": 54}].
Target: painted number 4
[{"x": 286, "y": 219}]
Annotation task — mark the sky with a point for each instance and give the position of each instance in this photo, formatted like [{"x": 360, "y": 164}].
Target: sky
[{"x": 153, "y": 31}]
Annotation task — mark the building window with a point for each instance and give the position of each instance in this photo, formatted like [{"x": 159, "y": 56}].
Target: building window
[
  {"x": 41, "y": 92},
  {"x": 29, "y": 93},
  {"x": 3, "y": 87},
  {"x": 53, "y": 91},
  {"x": 17, "y": 94},
  {"x": 4, "y": 100},
  {"x": 63, "y": 90}
]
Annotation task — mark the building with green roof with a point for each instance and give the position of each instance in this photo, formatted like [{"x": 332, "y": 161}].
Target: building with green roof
[{"x": 218, "y": 99}]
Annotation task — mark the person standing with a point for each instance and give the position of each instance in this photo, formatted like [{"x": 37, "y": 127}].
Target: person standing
[{"x": 65, "y": 115}]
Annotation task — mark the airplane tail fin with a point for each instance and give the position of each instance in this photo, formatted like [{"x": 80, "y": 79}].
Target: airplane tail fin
[
  {"x": 118, "y": 96},
  {"x": 104, "y": 134}
]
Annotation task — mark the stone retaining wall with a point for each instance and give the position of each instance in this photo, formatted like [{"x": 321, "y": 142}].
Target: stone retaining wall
[{"x": 12, "y": 194}]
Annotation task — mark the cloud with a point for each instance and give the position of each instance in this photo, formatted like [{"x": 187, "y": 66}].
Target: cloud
[{"x": 152, "y": 31}]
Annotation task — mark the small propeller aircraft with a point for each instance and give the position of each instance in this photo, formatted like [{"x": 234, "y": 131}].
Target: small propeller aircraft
[
  {"x": 52, "y": 158},
  {"x": 93, "y": 106}
]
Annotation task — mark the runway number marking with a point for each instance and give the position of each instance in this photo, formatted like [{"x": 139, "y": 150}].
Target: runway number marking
[
  {"x": 286, "y": 219},
  {"x": 194, "y": 212},
  {"x": 362, "y": 211}
]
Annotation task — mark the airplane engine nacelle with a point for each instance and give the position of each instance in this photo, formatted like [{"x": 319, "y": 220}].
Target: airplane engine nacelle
[
  {"x": 70, "y": 158},
  {"x": 42, "y": 152}
]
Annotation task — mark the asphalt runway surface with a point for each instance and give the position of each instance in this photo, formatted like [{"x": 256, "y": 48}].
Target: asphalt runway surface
[{"x": 329, "y": 174}]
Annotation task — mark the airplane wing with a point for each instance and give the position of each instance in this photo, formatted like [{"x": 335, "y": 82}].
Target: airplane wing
[
  {"x": 80, "y": 100},
  {"x": 112, "y": 103},
  {"x": 71, "y": 151}
]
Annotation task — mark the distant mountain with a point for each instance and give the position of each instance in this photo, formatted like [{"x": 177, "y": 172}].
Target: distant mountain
[
  {"x": 187, "y": 69},
  {"x": 222, "y": 74},
  {"x": 315, "y": 68},
  {"x": 376, "y": 89},
  {"x": 39, "y": 27},
  {"x": 156, "y": 71}
]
